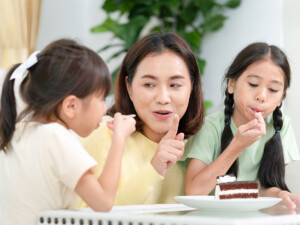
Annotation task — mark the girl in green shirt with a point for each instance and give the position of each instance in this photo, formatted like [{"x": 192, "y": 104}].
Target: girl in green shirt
[{"x": 244, "y": 139}]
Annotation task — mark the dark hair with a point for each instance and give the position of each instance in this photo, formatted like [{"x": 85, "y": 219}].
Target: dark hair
[
  {"x": 271, "y": 172},
  {"x": 64, "y": 68},
  {"x": 192, "y": 120}
]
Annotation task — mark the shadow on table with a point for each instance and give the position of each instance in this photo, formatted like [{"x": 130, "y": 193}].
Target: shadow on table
[
  {"x": 277, "y": 210},
  {"x": 228, "y": 214},
  {"x": 280, "y": 210}
]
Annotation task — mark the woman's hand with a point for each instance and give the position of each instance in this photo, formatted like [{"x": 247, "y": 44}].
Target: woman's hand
[
  {"x": 170, "y": 149},
  {"x": 250, "y": 132}
]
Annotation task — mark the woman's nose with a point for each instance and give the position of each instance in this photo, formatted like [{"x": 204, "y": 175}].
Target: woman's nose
[{"x": 163, "y": 96}]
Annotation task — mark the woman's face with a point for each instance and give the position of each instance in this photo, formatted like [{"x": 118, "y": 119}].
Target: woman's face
[{"x": 160, "y": 88}]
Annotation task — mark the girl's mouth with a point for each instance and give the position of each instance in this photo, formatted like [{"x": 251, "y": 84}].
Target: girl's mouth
[{"x": 256, "y": 110}]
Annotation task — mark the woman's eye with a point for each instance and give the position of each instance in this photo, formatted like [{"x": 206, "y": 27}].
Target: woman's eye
[
  {"x": 149, "y": 85},
  {"x": 175, "y": 85},
  {"x": 253, "y": 85}
]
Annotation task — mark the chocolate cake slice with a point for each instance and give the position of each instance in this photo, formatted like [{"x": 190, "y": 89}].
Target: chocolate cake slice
[{"x": 229, "y": 188}]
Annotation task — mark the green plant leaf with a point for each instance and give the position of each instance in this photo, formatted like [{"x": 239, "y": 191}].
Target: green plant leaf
[
  {"x": 114, "y": 75},
  {"x": 109, "y": 46},
  {"x": 193, "y": 39},
  {"x": 168, "y": 7},
  {"x": 118, "y": 5},
  {"x": 206, "y": 6},
  {"x": 142, "y": 10},
  {"x": 191, "y": 19},
  {"x": 128, "y": 32},
  {"x": 188, "y": 13},
  {"x": 156, "y": 29},
  {"x": 115, "y": 55},
  {"x": 233, "y": 3},
  {"x": 214, "y": 23},
  {"x": 207, "y": 104},
  {"x": 201, "y": 64},
  {"x": 132, "y": 30},
  {"x": 109, "y": 25}
]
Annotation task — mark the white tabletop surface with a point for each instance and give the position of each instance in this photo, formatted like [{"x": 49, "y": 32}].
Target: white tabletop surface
[{"x": 170, "y": 214}]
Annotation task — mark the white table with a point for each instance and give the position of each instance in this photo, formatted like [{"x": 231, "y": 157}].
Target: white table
[{"x": 169, "y": 214}]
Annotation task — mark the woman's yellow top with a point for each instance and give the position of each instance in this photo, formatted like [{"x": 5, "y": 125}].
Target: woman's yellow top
[{"x": 139, "y": 181}]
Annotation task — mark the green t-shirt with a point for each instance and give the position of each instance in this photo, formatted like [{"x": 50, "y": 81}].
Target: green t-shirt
[{"x": 206, "y": 144}]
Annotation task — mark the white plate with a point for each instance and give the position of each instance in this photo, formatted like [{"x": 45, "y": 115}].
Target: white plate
[{"x": 208, "y": 203}]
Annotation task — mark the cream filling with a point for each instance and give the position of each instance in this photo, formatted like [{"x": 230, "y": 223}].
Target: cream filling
[
  {"x": 226, "y": 179},
  {"x": 239, "y": 191}
]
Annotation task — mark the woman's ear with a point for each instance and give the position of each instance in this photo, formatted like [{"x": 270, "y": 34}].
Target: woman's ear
[
  {"x": 70, "y": 106},
  {"x": 128, "y": 87},
  {"x": 231, "y": 86}
]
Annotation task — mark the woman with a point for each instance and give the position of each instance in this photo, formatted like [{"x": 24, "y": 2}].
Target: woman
[{"x": 159, "y": 81}]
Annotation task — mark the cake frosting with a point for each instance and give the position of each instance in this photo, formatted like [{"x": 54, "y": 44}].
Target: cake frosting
[{"x": 229, "y": 188}]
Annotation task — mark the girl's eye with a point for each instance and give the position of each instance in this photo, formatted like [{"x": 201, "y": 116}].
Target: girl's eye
[
  {"x": 273, "y": 90},
  {"x": 253, "y": 85},
  {"x": 175, "y": 85}
]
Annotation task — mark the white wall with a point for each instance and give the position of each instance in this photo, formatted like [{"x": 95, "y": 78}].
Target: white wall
[
  {"x": 291, "y": 37},
  {"x": 254, "y": 20},
  {"x": 73, "y": 19}
]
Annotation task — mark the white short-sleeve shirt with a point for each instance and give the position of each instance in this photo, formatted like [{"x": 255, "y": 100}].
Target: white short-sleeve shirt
[{"x": 40, "y": 171}]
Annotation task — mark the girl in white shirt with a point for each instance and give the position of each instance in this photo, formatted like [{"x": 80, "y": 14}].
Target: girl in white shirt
[{"x": 42, "y": 164}]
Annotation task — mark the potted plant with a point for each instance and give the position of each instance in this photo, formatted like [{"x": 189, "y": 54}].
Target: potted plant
[{"x": 128, "y": 20}]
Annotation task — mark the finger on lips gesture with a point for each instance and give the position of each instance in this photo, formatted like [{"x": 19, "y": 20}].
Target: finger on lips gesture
[
  {"x": 250, "y": 132},
  {"x": 261, "y": 125},
  {"x": 170, "y": 148}
]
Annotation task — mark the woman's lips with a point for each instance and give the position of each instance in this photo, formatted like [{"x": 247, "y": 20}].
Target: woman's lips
[{"x": 162, "y": 114}]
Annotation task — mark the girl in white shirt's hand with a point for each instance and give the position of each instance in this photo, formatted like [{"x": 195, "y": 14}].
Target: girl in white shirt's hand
[{"x": 42, "y": 164}]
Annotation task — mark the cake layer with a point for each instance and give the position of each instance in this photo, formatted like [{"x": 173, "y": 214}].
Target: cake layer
[
  {"x": 239, "y": 185},
  {"x": 244, "y": 195}
]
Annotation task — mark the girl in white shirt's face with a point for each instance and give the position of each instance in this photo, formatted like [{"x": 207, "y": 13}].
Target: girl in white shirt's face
[{"x": 82, "y": 115}]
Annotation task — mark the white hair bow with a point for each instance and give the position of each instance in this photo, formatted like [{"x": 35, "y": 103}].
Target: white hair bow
[
  {"x": 18, "y": 75},
  {"x": 21, "y": 71}
]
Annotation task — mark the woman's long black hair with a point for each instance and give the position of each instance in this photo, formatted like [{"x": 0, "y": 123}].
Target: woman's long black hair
[{"x": 271, "y": 171}]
